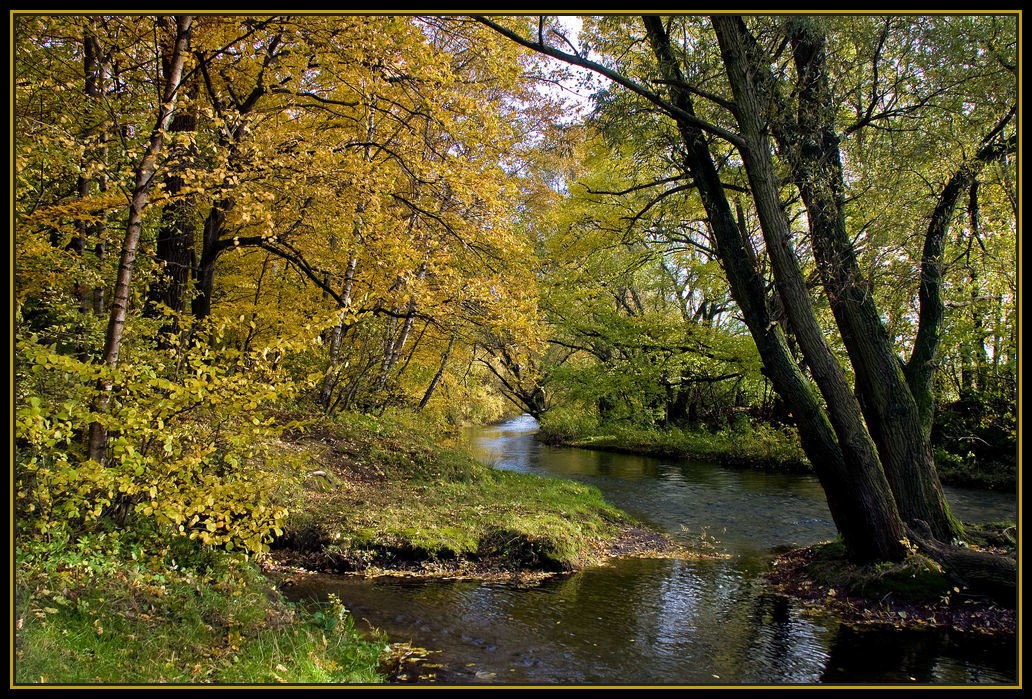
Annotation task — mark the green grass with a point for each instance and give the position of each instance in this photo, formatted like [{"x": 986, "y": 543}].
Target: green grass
[
  {"x": 391, "y": 495},
  {"x": 116, "y": 612},
  {"x": 742, "y": 444}
]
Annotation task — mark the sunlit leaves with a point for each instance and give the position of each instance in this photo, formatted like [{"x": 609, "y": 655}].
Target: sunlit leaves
[{"x": 190, "y": 451}]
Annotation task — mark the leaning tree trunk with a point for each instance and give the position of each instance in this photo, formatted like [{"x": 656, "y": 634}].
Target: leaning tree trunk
[
  {"x": 843, "y": 408},
  {"x": 920, "y": 368},
  {"x": 440, "y": 373},
  {"x": 141, "y": 194},
  {"x": 889, "y": 406},
  {"x": 858, "y": 495}
]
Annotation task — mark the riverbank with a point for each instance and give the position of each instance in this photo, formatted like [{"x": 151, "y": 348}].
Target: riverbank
[
  {"x": 913, "y": 594},
  {"x": 131, "y": 604},
  {"x": 386, "y": 498},
  {"x": 762, "y": 447},
  {"x": 125, "y": 608},
  {"x": 371, "y": 532},
  {"x": 759, "y": 447}
]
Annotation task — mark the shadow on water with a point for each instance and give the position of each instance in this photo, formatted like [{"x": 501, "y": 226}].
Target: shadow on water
[{"x": 663, "y": 622}]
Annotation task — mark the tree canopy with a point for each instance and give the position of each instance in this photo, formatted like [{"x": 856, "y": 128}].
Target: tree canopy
[{"x": 809, "y": 219}]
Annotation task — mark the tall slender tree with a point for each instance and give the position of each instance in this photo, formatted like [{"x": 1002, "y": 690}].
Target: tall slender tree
[{"x": 144, "y": 179}]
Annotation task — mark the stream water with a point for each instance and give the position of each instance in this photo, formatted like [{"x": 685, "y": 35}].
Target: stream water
[{"x": 665, "y": 622}]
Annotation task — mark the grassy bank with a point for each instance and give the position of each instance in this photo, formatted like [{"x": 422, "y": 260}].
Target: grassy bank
[
  {"x": 131, "y": 604},
  {"x": 746, "y": 445},
  {"x": 384, "y": 496},
  {"x": 741, "y": 445},
  {"x": 123, "y": 608}
]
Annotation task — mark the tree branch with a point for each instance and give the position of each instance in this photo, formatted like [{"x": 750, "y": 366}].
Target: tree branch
[{"x": 617, "y": 78}]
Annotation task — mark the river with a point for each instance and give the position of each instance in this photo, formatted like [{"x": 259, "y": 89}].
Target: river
[{"x": 659, "y": 622}]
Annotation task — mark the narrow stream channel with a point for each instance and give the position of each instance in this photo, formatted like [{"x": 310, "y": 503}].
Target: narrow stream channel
[{"x": 665, "y": 622}]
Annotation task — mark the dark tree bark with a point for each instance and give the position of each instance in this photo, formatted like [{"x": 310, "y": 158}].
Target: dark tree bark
[
  {"x": 889, "y": 405},
  {"x": 920, "y": 368},
  {"x": 176, "y": 236},
  {"x": 858, "y": 496},
  {"x": 212, "y": 245},
  {"x": 979, "y": 571},
  {"x": 95, "y": 67},
  {"x": 811, "y": 146},
  {"x": 213, "y": 234},
  {"x": 844, "y": 410}
]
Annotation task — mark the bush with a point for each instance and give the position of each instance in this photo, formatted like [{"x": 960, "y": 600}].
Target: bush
[
  {"x": 564, "y": 424},
  {"x": 189, "y": 447}
]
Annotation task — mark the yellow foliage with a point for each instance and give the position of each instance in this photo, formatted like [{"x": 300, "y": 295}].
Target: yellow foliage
[{"x": 190, "y": 451}]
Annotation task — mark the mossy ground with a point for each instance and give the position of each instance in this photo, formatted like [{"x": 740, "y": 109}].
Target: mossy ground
[
  {"x": 390, "y": 501},
  {"x": 914, "y": 593}
]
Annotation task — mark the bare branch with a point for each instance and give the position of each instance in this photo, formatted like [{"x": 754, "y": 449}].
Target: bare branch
[{"x": 617, "y": 78}]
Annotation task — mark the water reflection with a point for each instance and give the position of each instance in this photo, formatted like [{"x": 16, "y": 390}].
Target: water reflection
[
  {"x": 663, "y": 622},
  {"x": 642, "y": 622},
  {"x": 750, "y": 510},
  {"x": 865, "y": 656}
]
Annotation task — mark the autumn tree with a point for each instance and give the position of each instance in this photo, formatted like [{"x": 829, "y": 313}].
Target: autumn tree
[
  {"x": 282, "y": 191},
  {"x": 764, "y": 97},
  {"x": 144, "y": 174}
]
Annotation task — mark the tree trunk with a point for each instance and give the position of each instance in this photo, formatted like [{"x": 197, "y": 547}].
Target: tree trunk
[
  {"x": 920, "y": 368},
  {"x": 440, "y": 372},
  {"x": 844, "y": 410},
  {"x": 860, "y": 503},
  {"x": 141, "y": 193},
  {"x": 175, "y": 240},
  {"x": 337, "y": 334},
  {"x": 981, "y": 572},
  {"x": 889, "y": 406},
  {"x": 94, "y": 71},
  {"x": 395, "y": 345},
  {"x": 211, "y": 248},
  {"x": 333, "y": 368}
]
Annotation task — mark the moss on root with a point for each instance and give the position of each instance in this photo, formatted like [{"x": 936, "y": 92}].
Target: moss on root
[{"x": 914, "y": 593}]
